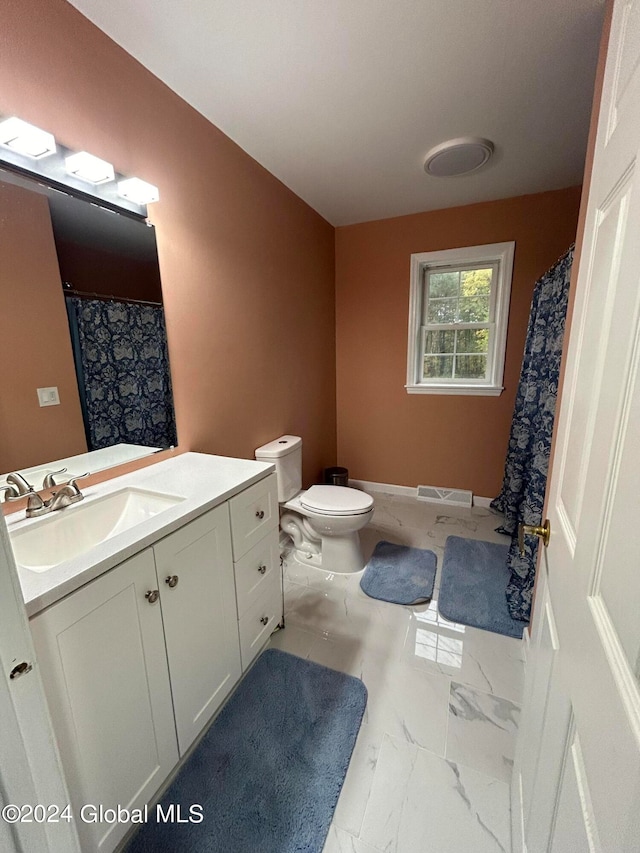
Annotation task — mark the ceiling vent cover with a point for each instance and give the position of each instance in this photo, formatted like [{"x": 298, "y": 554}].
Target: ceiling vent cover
[
  {"x": 448, "y": 497},
  {"x": 458, "y": 156}
]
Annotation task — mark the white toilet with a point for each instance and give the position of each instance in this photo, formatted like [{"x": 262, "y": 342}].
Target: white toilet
[{"x": 323, "y": 521}]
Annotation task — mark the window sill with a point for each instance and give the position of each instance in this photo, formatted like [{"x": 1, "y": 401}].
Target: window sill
[{"x": 472, "y": 390}]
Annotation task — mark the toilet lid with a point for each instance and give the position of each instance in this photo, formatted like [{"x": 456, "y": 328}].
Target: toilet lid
[{"x": 336, "y": 500}]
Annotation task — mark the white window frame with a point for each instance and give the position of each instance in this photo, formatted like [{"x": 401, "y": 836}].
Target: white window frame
[{"x": 500, "y": 255}]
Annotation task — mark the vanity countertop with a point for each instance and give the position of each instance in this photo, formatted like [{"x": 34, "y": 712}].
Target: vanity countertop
[{"x": 203, "y": 481}]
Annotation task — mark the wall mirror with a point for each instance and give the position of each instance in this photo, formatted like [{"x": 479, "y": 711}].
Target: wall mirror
[{"x": 85, "y": 381}]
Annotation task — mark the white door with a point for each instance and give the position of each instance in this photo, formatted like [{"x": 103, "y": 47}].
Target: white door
[
  {"x": 195, "y": 576},
  {"x": 104, "y": 666},
  {"x": 577, "y": 771}
]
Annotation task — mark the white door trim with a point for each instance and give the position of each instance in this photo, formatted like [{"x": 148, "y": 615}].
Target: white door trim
[{"x": 30, "y": 769}]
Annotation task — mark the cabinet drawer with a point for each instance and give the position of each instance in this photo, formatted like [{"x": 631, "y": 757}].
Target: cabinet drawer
[
  {"x": 254, "y": 572},
  {"x": 254, "y": 512},
  {"x": 254, "y": 632}
]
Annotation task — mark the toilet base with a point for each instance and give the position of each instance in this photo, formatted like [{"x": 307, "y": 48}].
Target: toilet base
[
  {"x": 337, "y": 554},
  {"x": 330, "y": 543},
  {"x": 342, "y": 554},
  {"x": 305, "y": 559}
]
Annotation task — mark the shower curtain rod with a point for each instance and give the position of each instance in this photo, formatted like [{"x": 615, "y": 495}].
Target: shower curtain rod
[{"x": 85, "y": 294}]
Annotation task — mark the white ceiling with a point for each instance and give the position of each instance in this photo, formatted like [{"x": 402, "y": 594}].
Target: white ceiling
[{"x": 341, "y": 99}]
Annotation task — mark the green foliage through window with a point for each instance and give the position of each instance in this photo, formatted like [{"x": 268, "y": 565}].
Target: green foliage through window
[{"x": 457, "y": 298}]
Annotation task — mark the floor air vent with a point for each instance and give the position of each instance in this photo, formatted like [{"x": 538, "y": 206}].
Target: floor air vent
[{"x": 449, "y": 497}]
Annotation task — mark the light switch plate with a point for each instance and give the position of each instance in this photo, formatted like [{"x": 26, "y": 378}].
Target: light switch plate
[{"x": 48, "y": 396}]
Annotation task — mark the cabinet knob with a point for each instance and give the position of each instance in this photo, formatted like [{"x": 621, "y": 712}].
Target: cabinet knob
[
  {"x": 152, "y": 596},
  {"x": 260, "y": 513},
  {"x": 262, "y": 569},
  {"x": 172, "y": 581},
  {"x": 264, "y": 620}
]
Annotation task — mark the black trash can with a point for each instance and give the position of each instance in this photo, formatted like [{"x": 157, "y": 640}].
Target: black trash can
[{"x": 336, "y": 476}]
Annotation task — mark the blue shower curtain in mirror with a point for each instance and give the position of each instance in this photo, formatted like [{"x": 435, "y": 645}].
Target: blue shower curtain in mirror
[
  {"x": 521, "y": 499},
  {"x": 122, "y": 365}
]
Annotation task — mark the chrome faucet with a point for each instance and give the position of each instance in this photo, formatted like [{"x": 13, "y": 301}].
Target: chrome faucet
[
  {"x": 35, "y": 505},
  {"x": 67, "y": 494},
  {"x": 16, "y": 479},
  {"x": 17, "y": 487},
  {"x": 49, "y": 481}
]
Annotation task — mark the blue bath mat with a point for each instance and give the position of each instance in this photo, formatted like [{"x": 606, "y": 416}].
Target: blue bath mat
[
  {"x": 400, "y": 574},
  {"x": 473, "y": 584},
  {"x": 269, "y": 770}
]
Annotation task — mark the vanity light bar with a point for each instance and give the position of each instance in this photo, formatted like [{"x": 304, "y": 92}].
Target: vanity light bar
[
  {"x": 138, "y": 191},
  {"x": 24, "y": 144},
  {"x": 88, "y": 168},
  {"x": 26, "y": 139}
]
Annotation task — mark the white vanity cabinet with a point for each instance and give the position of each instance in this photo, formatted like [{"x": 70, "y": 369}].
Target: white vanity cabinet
[
  {"x": 101, "y": 653},
  {"x": 256, "y": 554},
  {"x": 145, "y": 652},
  {"x": 195, "y": 578},
  {"x": 136, "y": 662}
]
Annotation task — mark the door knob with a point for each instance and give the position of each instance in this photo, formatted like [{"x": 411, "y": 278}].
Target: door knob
[
  {"x": 171, "y": 581},
  {"x": 543, "y": 532},
  {"x": 264, "y": 619},
  {"x": 260, "y": 513},
  {"x": 152, "y": 596},
  {"x": 22, "y": 669},
  {"x": 262, "y": 569}
]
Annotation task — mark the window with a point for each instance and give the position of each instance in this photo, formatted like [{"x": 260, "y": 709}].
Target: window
[{"x": 458, "y": 320}]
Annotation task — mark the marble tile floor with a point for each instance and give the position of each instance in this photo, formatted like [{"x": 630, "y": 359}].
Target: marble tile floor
[{"x": 431, "y": 767}]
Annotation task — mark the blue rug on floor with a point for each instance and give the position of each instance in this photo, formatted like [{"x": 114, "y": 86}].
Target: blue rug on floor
[
  {"x": 400, "y": 574},
  {"x": 473, "y": 584},
  {"x": 269, "y": 770}
]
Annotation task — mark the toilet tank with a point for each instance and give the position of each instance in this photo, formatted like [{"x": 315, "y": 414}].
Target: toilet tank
[{"x": 286, "y": 454}]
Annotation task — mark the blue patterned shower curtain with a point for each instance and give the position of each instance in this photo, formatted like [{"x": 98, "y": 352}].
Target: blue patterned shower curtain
[
  {"x": 122, "y": 364},
  {"x": 525, "y": 476}
]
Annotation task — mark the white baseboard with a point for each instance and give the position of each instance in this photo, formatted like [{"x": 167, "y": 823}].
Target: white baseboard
[
  {"x": 478, "y": 501},
  {"x": 407, "y": 491},
  {"x": 526, "y": 643},
  {"x": 367, "y": 486}
]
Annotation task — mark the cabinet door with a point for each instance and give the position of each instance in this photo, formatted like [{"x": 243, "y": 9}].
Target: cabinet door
[
  {"x": 102, "y": 657},
  {"x": 200, "y": 619}
]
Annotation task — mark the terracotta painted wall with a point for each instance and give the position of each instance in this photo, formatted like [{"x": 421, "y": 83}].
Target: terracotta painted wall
[
  {"x": 384, "y": 434},
  {"x": 35, "y": 349},
  {"x": 247, "y": 267}
]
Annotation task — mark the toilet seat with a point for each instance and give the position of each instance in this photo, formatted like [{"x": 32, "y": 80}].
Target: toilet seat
[{"x": 336, "y": 500}]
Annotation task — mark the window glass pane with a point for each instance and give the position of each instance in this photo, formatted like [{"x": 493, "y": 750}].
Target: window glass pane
[
  {"x": 437, "y": 367},
  {"x": 438, "y": 342},
  {"x": 471, "y": 367},
  {"x": 473, "y": 309},
  {"x": 442, "y": 310},
  {"x": 444, "y": 283},
  {"x": 472, "y": 340},
  {"x": 475, "y": 282}
]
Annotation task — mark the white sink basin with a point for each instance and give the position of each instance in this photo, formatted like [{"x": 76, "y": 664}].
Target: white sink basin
[{"x": 73, "y": 531}]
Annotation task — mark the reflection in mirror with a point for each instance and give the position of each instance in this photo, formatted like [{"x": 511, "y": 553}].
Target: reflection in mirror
[{"x": 85, "y": 381}]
